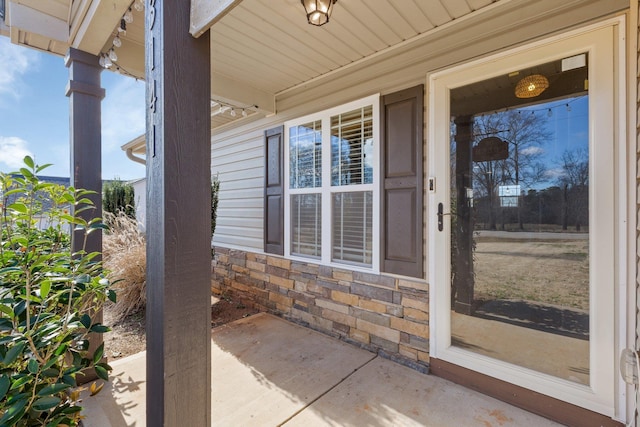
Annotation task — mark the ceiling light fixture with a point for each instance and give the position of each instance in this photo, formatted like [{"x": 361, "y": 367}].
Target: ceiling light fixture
[
  {"x": 318, "y": 11},
  {"x": 531, "y": 86}
]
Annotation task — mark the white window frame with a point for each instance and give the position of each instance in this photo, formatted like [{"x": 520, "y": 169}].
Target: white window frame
[
  {"x": 605, "y": 392},
  {"x": 327, "y": 190}
]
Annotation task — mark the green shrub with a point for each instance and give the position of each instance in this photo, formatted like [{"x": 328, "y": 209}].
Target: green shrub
[
  {"x": 48, "y": 301},
  {"x": 215, "y": 189},
  {"x": 118, "y": 196}
]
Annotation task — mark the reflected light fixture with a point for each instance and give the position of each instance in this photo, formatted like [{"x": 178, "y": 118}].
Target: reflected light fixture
[
  {"x": 531, "y": 86},
  {"x": 318, "y": 11}
]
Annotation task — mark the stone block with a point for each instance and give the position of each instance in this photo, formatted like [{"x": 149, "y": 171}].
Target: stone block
[
  {"x": 335, "y": 316},
  {"x": 404, "y": 337},
  {"x": 347, "y": 276},
  {"x": 240, "y": 269},
  {"x": 397, "y": 298},
  {"x": 259, "y": 276},
  {"x": 395, "y": 310},
  {"x": 412, "y": 328},
  {"x": 369, "y": 316},
  {"x": 235, "y": 253},
  {"x": 423, "y": 356},
  {"x": 419, "y": 343},
  {"x": 299, "y": 277},
  {"x": 344, "y": 298},
  {"x": 416, "y": 315},
  {"x": 300, "y": 296},
  {"x": 416, "y": 304},
  {"x": 374, "y": 279},
  {"x": 372, "y": 292},
  {"x": 412, "y": 284},
  {"x": 299, "y": 286},
  {"x": 315, "y": 310},
  {"x": 259, "y": 258},
  {"x": 359, "y": 336},
  {"x": 314, "y": 288},
  {"x": 386, "y": 345},
  {"x": 281, "y": 281},
  {"x": 301, "y": 307},
  {"x": 238, "y": 261},
  {"x": 282, "y": 300},
  {"x": 378, "y": 331},
  {"x": 340, "y": 308},
  {"x": 408, "y": 352},
  {"x": 332, "y": 285},
  {"x": 277, "y": 271},
  {"x": 340, "y": 328},
  {"x": 305, "y": 316},
  {"x": 239, "y": 286},
  {"x": 304, "y": 268},
  {"x": 283, "y": 263},
  {"x": 325, "y": 271},
  {"x": 375, "y": 306},
  {"x": 257, "y": 266}
]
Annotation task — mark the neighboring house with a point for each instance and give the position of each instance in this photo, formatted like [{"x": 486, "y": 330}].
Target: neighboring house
[
  {"x": 43, "y": 221},
  {"x": 452, "y": 185}
]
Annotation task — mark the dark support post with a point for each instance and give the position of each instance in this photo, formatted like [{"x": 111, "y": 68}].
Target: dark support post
[
  {"x": 463, "y": 280},
  {"x": 85, "y": 134},
  {"x": 178, "y": 218},
  {"x": 85, "y": 96}
]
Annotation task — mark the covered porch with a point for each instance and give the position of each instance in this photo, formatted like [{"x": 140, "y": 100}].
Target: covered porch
[
  {"x": 269, "y": 372},
  {"x": 225, "y": 81}
]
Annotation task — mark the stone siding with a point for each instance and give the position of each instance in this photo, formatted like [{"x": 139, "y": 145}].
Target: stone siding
[{"x": 383, "y": 314}]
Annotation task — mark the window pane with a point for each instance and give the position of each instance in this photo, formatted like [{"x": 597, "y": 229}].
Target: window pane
[
  {"x": 305, "y": 155},
  {"x": 352, "y": 222},
  {"x": 352, "y": 147},
  {"x": 306, "y": 226},
  {"x": 520, "y": 243}
]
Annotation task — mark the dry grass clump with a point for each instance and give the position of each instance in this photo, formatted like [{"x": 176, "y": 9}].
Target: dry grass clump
[{"x": 125, "y": 257}]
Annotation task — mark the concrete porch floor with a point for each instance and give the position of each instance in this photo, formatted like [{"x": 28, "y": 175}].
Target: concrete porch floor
[{"x": 270, "y": 372}]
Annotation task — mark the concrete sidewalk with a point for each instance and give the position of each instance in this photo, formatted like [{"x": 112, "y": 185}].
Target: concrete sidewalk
[{"x": 269, "y": 372}]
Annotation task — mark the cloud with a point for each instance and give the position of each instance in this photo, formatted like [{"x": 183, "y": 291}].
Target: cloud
[
  {"x": 12, "y": 151},
  {"x": 123, "y": 113},
  {"x": 17, "y": 61},
  {"x": 532, "y": 151},
  {"x": 553, "y": 174}
]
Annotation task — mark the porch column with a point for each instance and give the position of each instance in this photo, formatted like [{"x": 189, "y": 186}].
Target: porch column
[
  {"x": 85, "y": 130},
  {"x": 85, "y": 135},
  {"x": 178, "y": 218},
  {"x": 463, "y": 280}
]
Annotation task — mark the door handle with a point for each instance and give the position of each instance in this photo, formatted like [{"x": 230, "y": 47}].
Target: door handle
[{"x": 441, "y": 215}]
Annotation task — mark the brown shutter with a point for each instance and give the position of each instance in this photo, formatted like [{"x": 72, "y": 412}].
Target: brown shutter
[
  {"x": 274, "y": 191},
  {"x": 402, "y": 178}
]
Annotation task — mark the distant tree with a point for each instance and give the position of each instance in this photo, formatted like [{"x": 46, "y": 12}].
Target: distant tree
[
  {"x": 525, "y": 132},
  {"x": 119, "y": 196},
  {"x": 574, "y": 182}
]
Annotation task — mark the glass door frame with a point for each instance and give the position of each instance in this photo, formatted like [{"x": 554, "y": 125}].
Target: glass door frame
[{"x": 606, "y": 194}]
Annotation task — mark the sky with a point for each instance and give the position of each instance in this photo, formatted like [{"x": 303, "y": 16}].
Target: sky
[{"x": 34, "y": 114}]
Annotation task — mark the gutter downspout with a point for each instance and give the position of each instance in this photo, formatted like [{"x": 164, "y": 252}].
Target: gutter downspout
[{"x": 136, "y": 159}]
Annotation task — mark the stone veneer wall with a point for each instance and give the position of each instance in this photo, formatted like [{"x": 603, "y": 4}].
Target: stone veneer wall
[{"x": 384, "y": 314}]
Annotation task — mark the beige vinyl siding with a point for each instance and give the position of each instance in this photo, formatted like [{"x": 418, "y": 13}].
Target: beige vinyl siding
[{"x": 238, "y": 149}]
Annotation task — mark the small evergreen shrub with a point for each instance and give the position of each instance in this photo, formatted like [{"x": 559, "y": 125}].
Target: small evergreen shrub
[
  {"x": 48, "y": 301},
  {"x": 118, "y": 196}
]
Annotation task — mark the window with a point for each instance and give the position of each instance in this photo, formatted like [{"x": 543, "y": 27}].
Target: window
[{"x": 331, "y": 203}]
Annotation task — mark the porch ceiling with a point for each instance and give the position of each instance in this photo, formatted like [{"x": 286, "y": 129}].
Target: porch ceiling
[
  {"x": 274, "y": 48},
  {"x": 258, "y": 50}
]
